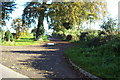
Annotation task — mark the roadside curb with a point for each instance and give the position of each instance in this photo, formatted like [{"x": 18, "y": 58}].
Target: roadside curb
[
  {"x": 9, "y": 73},
  {"x": 80, "y": 71}
]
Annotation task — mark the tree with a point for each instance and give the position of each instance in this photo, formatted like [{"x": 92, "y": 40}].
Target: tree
[
  {"x": 7, "y": 8},
  {"x": 19, "y": 27},
  {"x": 109, "y": 25},
  {"x": 35, "y": 10}
]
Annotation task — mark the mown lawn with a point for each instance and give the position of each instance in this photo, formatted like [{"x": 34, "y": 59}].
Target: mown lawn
[
  {"x": 29, "y": 40},
  {"x": 102, "y": 61}
]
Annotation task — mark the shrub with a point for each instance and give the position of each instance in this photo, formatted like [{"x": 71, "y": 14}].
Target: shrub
[
  {"x": 1, "y": 34},
  {"x": 83, "y": 35},
  {"x": 59, "y": 34},
  {"x": 69, "y": 37},
  {"x": 88, "y": 35},
  {"x": 100, "y": 40},
  {"x": 65, "y": 34},
  {"x": 102, "y": 33},
  {"x": 75, "y": 33},
  {"x": 8, "y": 36}
]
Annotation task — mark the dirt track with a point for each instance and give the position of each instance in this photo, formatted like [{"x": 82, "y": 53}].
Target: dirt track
[{"x": 39, "y": 61}]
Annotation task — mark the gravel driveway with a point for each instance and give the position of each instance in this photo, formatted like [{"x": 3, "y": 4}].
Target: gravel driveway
[{"x": 39, "y": 61}]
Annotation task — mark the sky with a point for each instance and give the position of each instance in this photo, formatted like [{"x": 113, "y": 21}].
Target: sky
[{"x": 112, "y": 6}]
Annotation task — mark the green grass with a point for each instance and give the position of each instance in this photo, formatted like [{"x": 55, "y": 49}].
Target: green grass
[
  {"x": 102, "y": 61},
  {"x": 20, "y": 43},
  {"x": 44, "y": 38},
  {"x": 26, "y": 40}
]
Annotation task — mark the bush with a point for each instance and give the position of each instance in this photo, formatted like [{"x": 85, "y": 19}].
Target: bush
[
  {"x": 1, "y": 34},
  {"x": 100, "y": 40},
  {"x": 59, "y": 34},
  {"x": 65, "y": 34},
  {"x": 69, "y": 37},
  {"x": 85, "y": 36},
  {"x": 8, "y": 36}
]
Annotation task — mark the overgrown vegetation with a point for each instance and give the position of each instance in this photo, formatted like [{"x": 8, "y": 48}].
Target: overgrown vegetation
[
  {"x": 98, "y": 51},
  {"x": 99, "y": 55}
]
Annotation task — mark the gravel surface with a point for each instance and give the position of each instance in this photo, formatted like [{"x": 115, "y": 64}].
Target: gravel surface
[{"x": 39, "y": 61}]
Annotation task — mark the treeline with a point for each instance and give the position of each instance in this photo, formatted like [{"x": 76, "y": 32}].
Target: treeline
[
  {"x": 8, "y": 36},
  {"x": 108, "y": 27},
  {"x": 62, "y": 17}
]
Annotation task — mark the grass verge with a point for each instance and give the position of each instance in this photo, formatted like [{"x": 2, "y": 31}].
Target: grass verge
[
  {"x": 101, "y": 61},
  {"x": 24, "y": 41}
]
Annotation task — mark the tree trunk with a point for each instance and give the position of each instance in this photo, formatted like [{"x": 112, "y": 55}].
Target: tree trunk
[{"x": 40, "y": 27}]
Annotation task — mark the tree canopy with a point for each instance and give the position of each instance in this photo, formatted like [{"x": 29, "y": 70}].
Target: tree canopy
[
  {"x": 63, "y": 14},
  {"x": 74, "y": 13}
]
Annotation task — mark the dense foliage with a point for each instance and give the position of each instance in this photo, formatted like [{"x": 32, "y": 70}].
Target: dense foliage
[{"x": 69, "y": 14}]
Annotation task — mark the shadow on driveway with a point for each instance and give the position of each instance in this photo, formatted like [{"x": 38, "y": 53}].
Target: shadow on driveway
[{"x": 50, "y": 63}]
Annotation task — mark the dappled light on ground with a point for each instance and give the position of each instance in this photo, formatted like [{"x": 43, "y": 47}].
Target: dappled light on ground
[{"x": 39, "y": 61}]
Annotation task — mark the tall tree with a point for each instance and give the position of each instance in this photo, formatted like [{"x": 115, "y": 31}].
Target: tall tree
[
  {"x": 35, "y": 10},
  {"x": 7, "y": 8}
]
